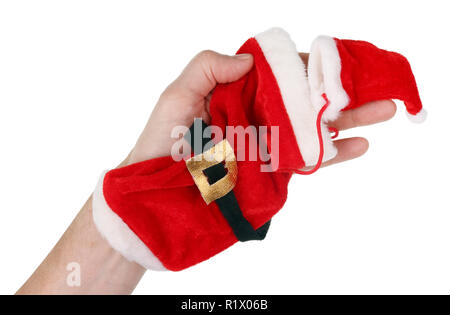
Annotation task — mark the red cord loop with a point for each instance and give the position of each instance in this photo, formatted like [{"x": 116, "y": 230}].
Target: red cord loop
[
  {"x": 334, "y": 131},
  {"x": 319, "y": 135}
]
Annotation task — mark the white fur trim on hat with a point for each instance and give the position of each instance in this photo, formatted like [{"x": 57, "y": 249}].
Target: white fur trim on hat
[
  {"x": 324, "y": 72},
  {"x": 290, "y": 73},
  {"x": 118, "y": 234}
]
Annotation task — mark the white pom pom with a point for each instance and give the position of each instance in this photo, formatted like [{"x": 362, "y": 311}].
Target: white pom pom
[{"x": 418, "y": 118}]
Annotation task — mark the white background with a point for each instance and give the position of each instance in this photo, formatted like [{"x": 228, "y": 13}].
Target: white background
[{"x": 78, "y": 80}]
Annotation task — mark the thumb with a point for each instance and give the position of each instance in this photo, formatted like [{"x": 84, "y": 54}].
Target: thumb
[{"x": 209, "y": 68}]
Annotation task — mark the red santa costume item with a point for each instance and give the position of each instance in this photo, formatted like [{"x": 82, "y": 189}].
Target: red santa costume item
[
  {"x": 352, "y": 73},
  {"x": 154, "y": 212}
]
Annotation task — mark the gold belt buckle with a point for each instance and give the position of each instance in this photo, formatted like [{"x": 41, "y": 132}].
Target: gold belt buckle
[{"x": 221, "y": 152}]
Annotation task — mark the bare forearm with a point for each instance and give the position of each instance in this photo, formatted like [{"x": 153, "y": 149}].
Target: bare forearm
[{"x": 102, "y": 270}]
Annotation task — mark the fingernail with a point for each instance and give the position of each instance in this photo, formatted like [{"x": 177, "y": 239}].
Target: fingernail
[{"x": 243, "y": 56}]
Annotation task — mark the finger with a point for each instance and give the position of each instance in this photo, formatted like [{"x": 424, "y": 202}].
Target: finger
[
  {"x": 368, "y": 114},
  {"x": 348, "y": 149},
  {"x": 209, "y": 68}
]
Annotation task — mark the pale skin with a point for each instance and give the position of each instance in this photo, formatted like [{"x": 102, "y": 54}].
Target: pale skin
[{"x": 105, "y": 271}]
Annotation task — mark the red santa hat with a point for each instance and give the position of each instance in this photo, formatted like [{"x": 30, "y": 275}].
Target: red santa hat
[
  {"x": 352, "y": 73},
  {"x": 166, "y": 215}
]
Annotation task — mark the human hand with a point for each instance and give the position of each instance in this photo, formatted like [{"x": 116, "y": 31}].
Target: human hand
[
  {"x": 185, "y": 99},
  {"x": 188, "y": 97}
]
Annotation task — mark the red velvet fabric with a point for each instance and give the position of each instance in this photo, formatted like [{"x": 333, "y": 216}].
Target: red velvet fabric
[
  {"x": 369, "y": 73},
  {"x": 159, "y": 201}
]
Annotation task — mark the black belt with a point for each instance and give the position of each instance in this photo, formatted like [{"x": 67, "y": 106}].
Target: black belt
[{"x": 228, "y": 204}]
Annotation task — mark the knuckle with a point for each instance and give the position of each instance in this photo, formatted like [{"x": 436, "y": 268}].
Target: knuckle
[
  {"x": 165, "y": 94},
  {"x": 205, "y": 55},
  {"x": 168, "y": 93}
]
